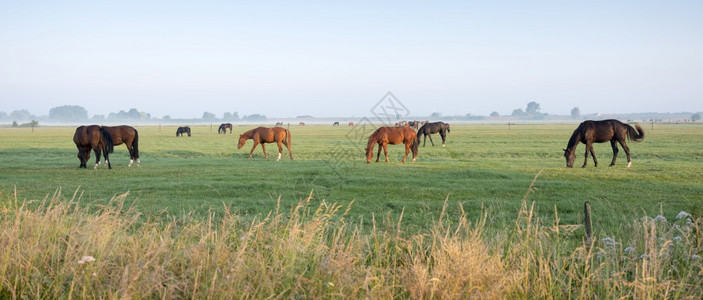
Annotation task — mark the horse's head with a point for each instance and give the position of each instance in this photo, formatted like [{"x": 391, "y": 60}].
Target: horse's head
[
  {"x": 242, "y": 139},
  {"x": 369, "y": 155},
  {"x": 570, "y": 157},
  {"x": 448, "y": 127}
]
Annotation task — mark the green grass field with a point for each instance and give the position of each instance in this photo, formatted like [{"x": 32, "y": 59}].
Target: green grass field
[
  {"x": 484, "y": 166},
  {"x": 495, "y": 214}
]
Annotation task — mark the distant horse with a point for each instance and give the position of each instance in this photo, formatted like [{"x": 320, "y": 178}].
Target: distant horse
[
  {"x": 590, "y": 132},
  {"x": 92, "y": 137},
  {"x": 223, "y": 128},
  {"x": 351, "y": 124},
  {"x": 335, "y": 124},
  {"x": 126, "y": 135},
  {"x": 414, "y": 124},
  {"x": 279, "y": 123},
  {"x": 262, "y": 135},
  {"x": 301, "y": 123},
  {"x": 181, "y": 130},
  {"x": 391, "y": 135},
  {"x": 429, "y": 128}
]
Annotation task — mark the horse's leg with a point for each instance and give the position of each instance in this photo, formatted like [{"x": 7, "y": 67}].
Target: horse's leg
[
  {"x": 97, "y": 157},
  {"x": 385, "y": 151},
  {"x": 431, "y": 139},
  {"x": 407, "y": 150},
  {"x": 424, "y": 141},
  {"x": 280, "y": 150},
  {"x": 613, "y": 143},
  {"x": 593, "y": 154},
  {"x": 444, "y": 137},
  {"x": 585, "y": 159},
  {"x": 130, "y": 148},
  {"x": 263, "y": 147},
  {"x": 378, "y": 155},
  {"x": 627, "y": 151},
  {"x": 252, "y": 149}
]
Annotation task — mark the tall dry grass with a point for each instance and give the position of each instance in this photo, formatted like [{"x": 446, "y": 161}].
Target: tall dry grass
[{"x": 312, "y": 251}]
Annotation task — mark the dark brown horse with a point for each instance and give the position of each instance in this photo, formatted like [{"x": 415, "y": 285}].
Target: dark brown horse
[
  {"x": 181, "y": 130},
  {"x": 590, "y": 132},
  {"x": 262, "y": 135},
  {"x": 92, "y": 137},
  {"x": 391, "y": 135},
  {"x": 430, "y": 128},
  {"x": 126, "y": 135},
  {"x": 223, "y": 128}
]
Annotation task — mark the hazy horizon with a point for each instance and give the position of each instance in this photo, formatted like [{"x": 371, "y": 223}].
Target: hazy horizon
[{"x": 317, "y": 58}]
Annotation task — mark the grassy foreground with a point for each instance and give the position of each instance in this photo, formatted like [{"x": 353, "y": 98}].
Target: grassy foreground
[{"x": 61, "y": 250}]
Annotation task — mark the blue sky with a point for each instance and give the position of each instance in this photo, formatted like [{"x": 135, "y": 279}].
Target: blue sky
[{"x": 328, "y": 58}]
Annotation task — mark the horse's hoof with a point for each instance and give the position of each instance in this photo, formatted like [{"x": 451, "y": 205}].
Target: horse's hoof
[{"x": 629, "y": 164}]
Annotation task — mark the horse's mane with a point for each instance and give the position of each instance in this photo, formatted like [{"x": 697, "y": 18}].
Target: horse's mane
[{"x": 575, "y": 137}]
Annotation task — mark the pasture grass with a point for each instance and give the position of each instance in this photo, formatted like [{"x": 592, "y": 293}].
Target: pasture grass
[
  {"x": 466, "y": 220},
  {"x": 60, "y": 249},
  {"x": 483, "y": 165}
]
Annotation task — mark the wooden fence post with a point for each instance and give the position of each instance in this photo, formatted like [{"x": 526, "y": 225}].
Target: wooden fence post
[{"x": 587, "y": 220}]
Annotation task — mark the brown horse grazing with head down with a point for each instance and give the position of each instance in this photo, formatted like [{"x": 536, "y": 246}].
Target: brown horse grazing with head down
[
  {"x": 392, "y": 135},
  {"x": 92, "y": 137},
  {"x": 590, "y": 132},
  {"x": 262, "y": 135},
  {"x": 126, "y": 135}
]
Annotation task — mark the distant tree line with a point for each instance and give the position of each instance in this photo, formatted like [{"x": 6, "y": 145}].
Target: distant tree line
[{"x": 75, "y": 113}]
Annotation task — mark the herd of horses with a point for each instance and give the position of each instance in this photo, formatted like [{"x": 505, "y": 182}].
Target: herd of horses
[{"x": 102, "y": 139}]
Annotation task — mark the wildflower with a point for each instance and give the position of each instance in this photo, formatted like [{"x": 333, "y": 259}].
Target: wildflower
[
  {"x": 695, "y": 256},
  {"x": 683, "y": 214},
  {"x": 659, "y": 218},
  {"x": 678, "y": 239},
  {"x": 630, "y": 250},
  {"x": 86, "y": 259},
  {"x": 609, "y": 241},
  {"x": 644, "y": 256}
]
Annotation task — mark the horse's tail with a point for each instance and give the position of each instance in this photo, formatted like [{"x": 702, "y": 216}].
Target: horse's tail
[
  {"x": 415, "y": 145},
  {"x": 108, "y": 145},
  {"x": 635, "y": 134},
  {"x": 288, "y": 137},
  {"x": 135, "y": 144}
]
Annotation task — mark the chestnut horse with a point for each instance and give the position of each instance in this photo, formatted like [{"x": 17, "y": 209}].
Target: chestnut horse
[
  {"x": 92, "y": 137},
  {"x": 392, "y": 135},
  {"x": 262, "y": 135},
  {"x": 590, "y": 132},
  {"x": 126, "y": 135},
  {"x": 223, "y": 128}
]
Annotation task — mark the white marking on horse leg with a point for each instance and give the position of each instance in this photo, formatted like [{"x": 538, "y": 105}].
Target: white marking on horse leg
[
  {"x": 629, "y": 163},
  {"x": 138, "y": 162},
  {"x": 413, "y": 160},
  {"x": 443, "y": 145},
  {"x": 279, "y": 156},
  {"x": 96, "y": 166},
  {"x": 131, "y": 161}
]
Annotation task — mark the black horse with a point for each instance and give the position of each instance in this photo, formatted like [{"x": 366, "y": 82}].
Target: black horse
[
  {"x": 590, "y": 132},
  {"x": 223, "y": 128},
  {"x": 181, "y": 130},
  {"x": 430, "y": 128}
]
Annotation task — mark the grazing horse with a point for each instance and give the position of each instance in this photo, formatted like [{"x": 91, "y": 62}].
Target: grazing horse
[
  {"x": 391, "y": 135},
  {"x": 590, "y": 132},
  {"x": 126, "y": 135},
  {"x": 223, "y": 128},
  {"x": 351, "y": 124},
  {"x": 92, "y": 137},
  {"x": 429, "y": 128},
  {"x": 262, "y": 135},
  {"x": 279, "y": 123},
  {"x": 301, "y": 123},
  {"x": 335, "y": 124},
  {"x": 181, "y": 130}
]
